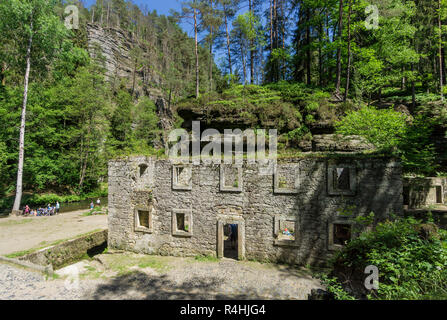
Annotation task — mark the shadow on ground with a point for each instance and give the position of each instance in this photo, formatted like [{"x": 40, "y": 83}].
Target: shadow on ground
[{"x": 139, "y": 285}]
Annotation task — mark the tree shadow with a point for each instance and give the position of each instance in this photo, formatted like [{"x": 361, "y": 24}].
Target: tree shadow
[{"x": 141, "y": 286}]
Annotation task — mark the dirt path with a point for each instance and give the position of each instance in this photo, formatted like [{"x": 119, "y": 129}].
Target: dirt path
[
  {"x": 23, "y": 233},
  {"x": 132, "y": 276}
]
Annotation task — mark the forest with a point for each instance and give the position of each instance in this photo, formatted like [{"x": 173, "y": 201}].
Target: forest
[
  {"x": 371, "y": 69},
  {"x": 111, "y": 79}
]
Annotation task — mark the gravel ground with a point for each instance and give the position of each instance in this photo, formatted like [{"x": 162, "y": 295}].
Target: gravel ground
[{"x": 155, "y": 278}]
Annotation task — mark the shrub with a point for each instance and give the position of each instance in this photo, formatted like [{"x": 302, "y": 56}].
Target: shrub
[
  {"x": 411, "y": 257},
  {"x": 388, "y": 131},
  {"x": 383, "y": 128}
]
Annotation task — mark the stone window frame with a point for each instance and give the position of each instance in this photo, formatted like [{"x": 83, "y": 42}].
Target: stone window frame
[
  {"x": 435, "y": 187},
  {"x": 331, "y": 245},
  {"x": 288, "y": 243},
  {"x": 142, "y": 170},
  {"x": 188, "y": 217},
  {"x": 223, "y": 187},
  {"x": 352, "y": 179},
  {"x": 137, "y": 226},
  {"x": 175, "y": 185},
  {"x": 221, "y": 222},
  {"x": 277, "y": 189}
]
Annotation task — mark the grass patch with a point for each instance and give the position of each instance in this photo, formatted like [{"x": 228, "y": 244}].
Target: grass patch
[
  {"x": 121, "y": 263},
  {"x": 90, "y": 273},
  {"x": 15, "y": 222},
  {"x": 207, "y": 258},
  {"x": 95, "y": 211}
]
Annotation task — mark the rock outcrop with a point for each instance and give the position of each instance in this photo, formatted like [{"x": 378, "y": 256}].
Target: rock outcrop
[{"x": 112, "y": 47}]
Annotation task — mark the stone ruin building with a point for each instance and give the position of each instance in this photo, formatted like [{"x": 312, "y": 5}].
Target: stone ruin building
[
  {"x": 424, "y": 197},
  {"x": 300, "y": 214}
]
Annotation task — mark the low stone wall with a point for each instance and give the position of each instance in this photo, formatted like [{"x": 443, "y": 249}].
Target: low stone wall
[
  {"x": 69, "y": 251},
  {"x": 423, "y": 192},
  {"x": 150, "y": 200}
]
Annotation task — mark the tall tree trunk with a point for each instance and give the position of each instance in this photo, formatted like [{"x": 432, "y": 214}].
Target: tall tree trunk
[
  {"x": 327, "y": 70},
  {"x": 275, "y": 38},
  {"x": 283, "y": 36},
  {"x": 211, "y": 51},
  {"x": 340, "y": 34},
  {"x": 348, "y": 67},
  {"x": 134, "y": 76},
  {"x": 93, "y": 15},
  {"x": 196, "y": 53},
  {"x": 228, "y": 45},
  {"x": 244, "y": 66},
  {"x": 2, "y": 74},
  {"x": 443, "y": 64},
  {"x": 441, "y": 81},
  {"x": 320, "y": 54},
  {"x": 108, "y": 13},
  {"x": 85, "y": 162},
  {"x": 211, "y": 60},
  {"x": 271, "y": 27},
  {"x": 308, "y": 62},
  {"x": 19, "y": 187},
  {"x": 102, "y": 11},
  {"x": 252, "y": 52},
  {"x": 413, "y": 92}
]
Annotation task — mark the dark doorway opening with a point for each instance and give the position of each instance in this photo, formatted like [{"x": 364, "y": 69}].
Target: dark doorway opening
[
  {"x": 230, "y": 240},
  {"x": 438, "y": 194}
]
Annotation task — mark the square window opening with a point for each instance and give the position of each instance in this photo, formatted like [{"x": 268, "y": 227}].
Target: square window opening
[
  {"x": 182, "y": 176},
  {"x": 143, "y": 219},
  {"x": 286, "y": 230},
  {"x": 143, "y": 167},
  {"x": 342, "y": 233},
  {"x": 181, "y": 225},
  {"x": 341, "y": 179}
]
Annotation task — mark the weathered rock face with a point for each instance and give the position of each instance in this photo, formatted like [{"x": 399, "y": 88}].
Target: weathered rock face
[
  {"x": 115, "y": 46},
  {"x": 339, "y": 143},
  {"x": 152, "y": 211}
]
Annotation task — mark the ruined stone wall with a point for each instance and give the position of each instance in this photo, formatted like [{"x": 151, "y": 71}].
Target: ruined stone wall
[
  {"x": 301, "y": 194},
  {"x": 423, "y": 192}
]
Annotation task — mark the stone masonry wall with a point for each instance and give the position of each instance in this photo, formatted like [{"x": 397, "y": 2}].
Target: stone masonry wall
[{"x": 145, "y": 182}]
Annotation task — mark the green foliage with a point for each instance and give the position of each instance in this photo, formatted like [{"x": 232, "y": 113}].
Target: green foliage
[
  {"x": 384, "y": 128},
  {"x": 411, "y": 258},
  {"x": 388, "y": 131},
  {"x": 418, "y": 152},
  {"x": 334, "y": 287}
]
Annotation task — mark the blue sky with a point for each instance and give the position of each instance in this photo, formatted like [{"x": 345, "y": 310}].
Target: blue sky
[{"x": 162, "y": 6}]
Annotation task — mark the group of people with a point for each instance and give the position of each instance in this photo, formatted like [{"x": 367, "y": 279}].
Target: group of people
[
  {"x": 98, "y": 203},
  {"x": 46, "y": 211}
]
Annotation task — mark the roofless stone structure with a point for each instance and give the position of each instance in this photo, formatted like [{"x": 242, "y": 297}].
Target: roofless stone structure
[{"x": 300, "y": 214}]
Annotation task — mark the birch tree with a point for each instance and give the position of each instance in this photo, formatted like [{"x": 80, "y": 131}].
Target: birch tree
[{"x": 38, "y": 32}]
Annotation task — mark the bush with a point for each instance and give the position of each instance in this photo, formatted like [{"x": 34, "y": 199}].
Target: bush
[
  {"x": 411, "y": 257},
  {"x": 383, "y": 128},
  {"x": 388, "y": 131}
]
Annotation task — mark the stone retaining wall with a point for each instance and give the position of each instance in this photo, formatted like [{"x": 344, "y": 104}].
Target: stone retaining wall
[
  {"x": 301, "y": 195},
  {"x": 69, "y": 251}
]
